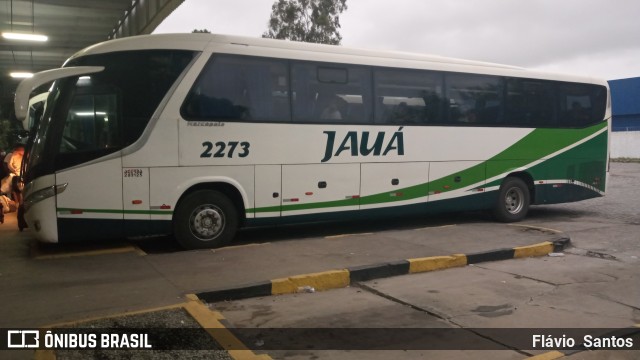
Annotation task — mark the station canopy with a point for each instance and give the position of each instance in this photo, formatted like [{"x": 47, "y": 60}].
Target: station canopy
[{"x": 69, "y": 25}]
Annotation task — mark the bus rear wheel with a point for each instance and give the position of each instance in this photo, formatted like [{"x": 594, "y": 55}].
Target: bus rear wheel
[
  {"x": 205, "y": 219},
  {"x": 513, "y": 200}
]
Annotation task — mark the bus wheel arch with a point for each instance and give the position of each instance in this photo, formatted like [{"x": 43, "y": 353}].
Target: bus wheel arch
[
  {"x": 208, "y": 215},
  {"x": 515, "y": 195}
]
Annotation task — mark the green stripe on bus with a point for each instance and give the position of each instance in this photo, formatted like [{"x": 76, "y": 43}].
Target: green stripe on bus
[{"x": 539, "y": 144}]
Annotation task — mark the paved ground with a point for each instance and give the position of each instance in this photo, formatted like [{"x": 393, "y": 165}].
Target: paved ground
[{"x": 594, "y": 285}]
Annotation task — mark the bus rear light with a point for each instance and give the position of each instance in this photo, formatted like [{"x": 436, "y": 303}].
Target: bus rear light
[
  {"x": 76, "y": 212},
  {"x": 165, "y": 207},
  {"x": 136, "y": 202},
  {"x": 308, "y": 193}
]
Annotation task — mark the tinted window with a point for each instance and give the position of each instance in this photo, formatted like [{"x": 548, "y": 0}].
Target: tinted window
[
  {"x": 334, "y": 94},
  {"x": 333, "y": 75},
  {"x": 408, "y": 97},
  {"x": 474, "y": 99},
  {"x": 530, "y": 103},
  {"x": 247, "y": 88},
  {"x": 93, "y": 122},
  {"x": 539, "y": 103},
  {"x": 100, "y": 113},
  {"x": 240, "y": 88},
  {"x": 581, "y": 104},
  {"x": 139, "y": 79}
]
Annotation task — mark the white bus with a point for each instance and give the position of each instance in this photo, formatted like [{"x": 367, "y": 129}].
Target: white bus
[{"x": 198, "y": 135}]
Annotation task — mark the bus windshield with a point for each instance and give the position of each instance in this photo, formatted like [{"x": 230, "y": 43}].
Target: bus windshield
[
  {"x": 94, "y": 115},
  {"x": 38, "y": 136}
]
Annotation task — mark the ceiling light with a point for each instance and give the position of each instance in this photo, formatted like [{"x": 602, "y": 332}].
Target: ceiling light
[
  {"x": 25, "y": 37},
  {"x": 21, "y": 75}
]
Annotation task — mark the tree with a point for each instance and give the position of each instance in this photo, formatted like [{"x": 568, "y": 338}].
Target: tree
[{"x": 315, "y": 21}]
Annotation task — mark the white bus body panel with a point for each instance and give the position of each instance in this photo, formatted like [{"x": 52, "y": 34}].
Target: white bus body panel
[
  {"x": 319, "y": 183},
  {"x": 95, "y": 189},
  {"x": 268, "y": 189},
  {"x": 167, "y": 185},
  {"x": 439, "y": 170},
  {"x": 284, "y": 144},
  {"x": 135, "y": 193},
  {"x": 389, "y": 177}
]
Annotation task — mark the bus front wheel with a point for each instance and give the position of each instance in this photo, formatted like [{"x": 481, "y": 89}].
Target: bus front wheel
[
  {"x": 205, "y": 219},
  {"x": 513, "y": 200}
]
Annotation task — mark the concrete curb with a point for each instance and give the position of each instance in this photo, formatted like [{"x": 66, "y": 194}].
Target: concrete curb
[{"x": 344, "y": 277}]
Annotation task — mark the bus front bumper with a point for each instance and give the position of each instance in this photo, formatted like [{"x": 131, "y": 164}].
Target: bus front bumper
[{"x": 40, "y": 209}]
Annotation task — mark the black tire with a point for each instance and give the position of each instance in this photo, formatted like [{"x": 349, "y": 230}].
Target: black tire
[
  {"x": 513, "y": 200},
  {"x": 205, "y": 219}
]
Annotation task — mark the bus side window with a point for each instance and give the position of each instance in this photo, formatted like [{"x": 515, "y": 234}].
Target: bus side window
[
  {"x": 240, "y": 88},
  {"x": 474, "y": 99},
  {"x": 530, "y": 103},
  {"x": 407, "y": 96},
  {"x": 328, "y": 93},
  {"x": 579, "y": 104}
]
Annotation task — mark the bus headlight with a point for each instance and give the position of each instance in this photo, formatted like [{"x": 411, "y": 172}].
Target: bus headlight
[{"x": 42, "y": 194}]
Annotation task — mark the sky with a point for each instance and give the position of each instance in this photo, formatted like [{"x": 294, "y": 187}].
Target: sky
[{"x": 597, "y": 38}]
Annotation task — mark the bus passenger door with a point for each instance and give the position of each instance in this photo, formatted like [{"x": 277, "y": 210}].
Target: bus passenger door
[
  {"x": 268, "y": 190},
  {"x": 320, "y": 188},
  {"x": 90, "y": 207}
]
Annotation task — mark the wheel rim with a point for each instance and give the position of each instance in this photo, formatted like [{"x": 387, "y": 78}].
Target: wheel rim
[
  {"x": 514, "y": 200},
  {"x": 206, "y": 222}
]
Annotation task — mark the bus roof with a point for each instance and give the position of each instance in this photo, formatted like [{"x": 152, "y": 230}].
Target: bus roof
[{"x": 320, "y": 52}]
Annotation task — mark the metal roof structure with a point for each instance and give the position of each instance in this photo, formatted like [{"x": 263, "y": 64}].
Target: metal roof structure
[{"x": 70, "y": 26}]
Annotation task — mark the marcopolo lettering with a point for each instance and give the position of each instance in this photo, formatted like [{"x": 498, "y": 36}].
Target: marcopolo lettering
[{"x": 364, "y": 144}]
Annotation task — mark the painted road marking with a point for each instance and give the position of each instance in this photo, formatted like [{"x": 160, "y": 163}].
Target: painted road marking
[
  {"x": 60, "y": 253},
  {"x": 347, "y": 235},
  {"x": 208, "y": 319}
]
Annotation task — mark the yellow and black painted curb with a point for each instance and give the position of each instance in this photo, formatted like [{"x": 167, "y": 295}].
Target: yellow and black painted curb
[{"x": 334, "y": 279}]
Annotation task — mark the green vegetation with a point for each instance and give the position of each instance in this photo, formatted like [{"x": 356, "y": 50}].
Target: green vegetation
[{"x": 315, "y": 21}]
